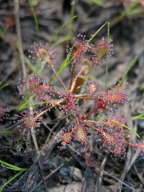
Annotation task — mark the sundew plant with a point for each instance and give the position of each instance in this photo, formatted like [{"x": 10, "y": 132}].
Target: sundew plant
[{"x": 102, "y": 119}]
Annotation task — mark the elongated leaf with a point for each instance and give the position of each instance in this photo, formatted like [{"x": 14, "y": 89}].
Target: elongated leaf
[
  {"x": 31, "y": 4},
  {"x": 6, "y": 132},
  {"x": 12, "y": 167},
  {"x": 65, "y": 63},
  {"x": 3, "y": 85},
  {"x": 60, "y": 29},
  {"x": 25, "y": 103},
  {"x": 137, "y": 117},
  {"x": 98, "y": 2},
  {"x": 10, "y": 180}
]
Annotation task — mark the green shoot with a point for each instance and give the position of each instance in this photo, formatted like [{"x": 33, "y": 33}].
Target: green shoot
[
  {"x": 11, "y": 167},
  {"x": 97, "y": 2},
  {"x": 30, "y": 3}
]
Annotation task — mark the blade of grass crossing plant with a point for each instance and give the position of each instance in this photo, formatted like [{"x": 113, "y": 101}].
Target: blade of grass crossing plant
[
  {"x": 10, "y": 180},
  {"x": 60, "y": 29},
  {"x": 12, "y": 167},
  {"x": 118, "y": 18},
  {"x": 65, "y": 63},
  {"x": 96, "y": 33},
  {"x": 138, "y": 117},
  {"x": 131, "y": 130},
  {"x": 62, "y": 40},
  {"x": 37, "y": 68},
  {"x": 25, "y": 103}
]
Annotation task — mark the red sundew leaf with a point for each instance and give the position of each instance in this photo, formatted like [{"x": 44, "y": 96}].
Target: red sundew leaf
[
  {"x": 100, "y": 105},
  {"x": 112, "y": 139},
  {"x": 66, "y": 137},
  {"x": 139, "y": 146},
  {"x": 78, "y": 52},
  {"x": 40, "y": 52},
  {"x": 119, "y": 149},
  {"x": 113, "y": 144},
  {"x": 113, "y": 122},
  {"x": 35, "y": 86},
  {"x": 80, "y": 134},
  {"x": 101, "y": 50},
  {"x": 30, "y": 121},
  {"x": 80, "y": 47},
  {"x": 113, "y": 97},
  {"x": 69, "y": 105},
  {"x": 107, "y": 137}
]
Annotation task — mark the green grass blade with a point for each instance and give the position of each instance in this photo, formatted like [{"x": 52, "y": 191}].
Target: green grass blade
[
  {"x": 37, "y": 68},
  {"x": 131, "y": 64},
  {"x": 12, "y": 167},
  {"x": 65, "y": 63},
  {"x": 25, "y": 103},
  {"x": 131, "y": 130},
  {"x": 138, "y": 117},
  {"x": 3, "y": 85},
  {"x": 1, "y": 33},
  {"x": 34, "y": 14},
  {"x": 62, "y": 40},
  {"x": 132, "y": 9},
  {"x": 10, "y": 180},
  {"x": 60, "y": 29},
  {"x": 97, "y": 2},
  {"x": 6, "y": 132},
  {"x": 97, "y": 32},
  {"x": 141, "y": 88}
]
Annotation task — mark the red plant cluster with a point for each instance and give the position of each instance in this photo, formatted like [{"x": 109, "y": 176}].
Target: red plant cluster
[
  {"x": 80, "y": 48},
  {"x": 92, "y": 54},
  {"x": 73, "y": 100},
  {"x": 30, "y": 121},
  {"x": 112, "y": 135},
  {"x": 41, "y": 53}
]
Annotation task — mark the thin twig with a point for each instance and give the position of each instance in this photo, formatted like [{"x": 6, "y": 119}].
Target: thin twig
[
  {"x": 99, "y": 180},
  {"x": 19, "y": 42},
  {"x": 20, "y": 49},
  {"x": 52, "y": 173}
]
